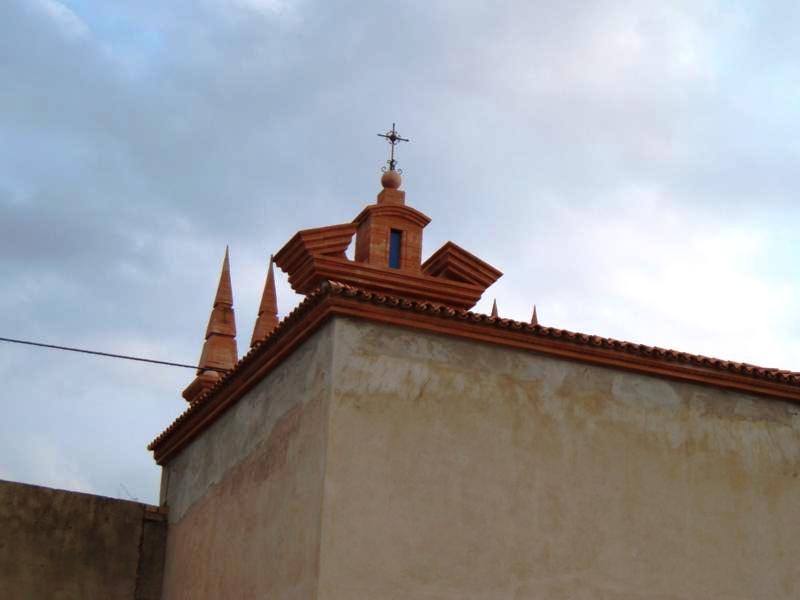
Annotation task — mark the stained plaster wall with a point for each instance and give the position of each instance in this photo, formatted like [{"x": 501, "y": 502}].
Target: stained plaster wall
[
  {"x": 245, "y": 497},
  {"x": 382, "y": 463},
  {"x": 462, "y": 470},
  {"x": 65, "y": 545}
]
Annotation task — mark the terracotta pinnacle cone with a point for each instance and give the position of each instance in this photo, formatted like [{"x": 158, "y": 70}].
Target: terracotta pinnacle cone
[
  {"x": 494, "y": 308},
  {"x": 224, "y": 289},
  {"x": 267, "y": 319},
  {"x": 219, "y": 350},
  {"x": 534, "y": 317}
]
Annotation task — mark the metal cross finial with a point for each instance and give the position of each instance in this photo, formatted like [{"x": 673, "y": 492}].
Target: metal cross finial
[{"x": 393, "y": 138}]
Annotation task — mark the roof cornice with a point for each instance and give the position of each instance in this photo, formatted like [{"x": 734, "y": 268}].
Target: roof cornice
[
  {"x": 401, "y": 211},
  {"x": 334, "y": 299}
]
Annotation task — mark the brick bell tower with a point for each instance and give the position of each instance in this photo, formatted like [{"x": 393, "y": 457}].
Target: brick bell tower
[
  {"x": 388, "y": 252},
  {"x": 389, "y": 233}
]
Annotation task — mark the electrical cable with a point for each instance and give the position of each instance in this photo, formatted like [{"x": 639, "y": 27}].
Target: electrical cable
[{"x": 108, "y": 354}]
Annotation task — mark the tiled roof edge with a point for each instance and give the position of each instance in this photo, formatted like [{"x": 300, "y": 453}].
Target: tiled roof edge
[
  {"x": 771, "y": 374},
  {"x": 259, "y": 348},
  {"x": 334, "y": 289}
]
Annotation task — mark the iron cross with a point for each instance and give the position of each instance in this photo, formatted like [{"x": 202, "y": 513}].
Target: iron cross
[{"x": 393, "y": 138}]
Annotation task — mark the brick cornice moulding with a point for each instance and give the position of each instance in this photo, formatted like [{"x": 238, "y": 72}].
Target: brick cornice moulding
[
  {"x": 340, "y": 300},
  {"x": 400, "y": 211}
]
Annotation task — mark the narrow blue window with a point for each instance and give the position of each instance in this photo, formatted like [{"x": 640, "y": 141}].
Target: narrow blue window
[{"x": 395, "y": 239}]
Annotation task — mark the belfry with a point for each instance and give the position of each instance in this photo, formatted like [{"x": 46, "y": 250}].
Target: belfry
[{"x": 388, "y": 255}]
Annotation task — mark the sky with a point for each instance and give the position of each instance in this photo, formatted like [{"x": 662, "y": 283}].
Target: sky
[{"x": 631, "y": 167}]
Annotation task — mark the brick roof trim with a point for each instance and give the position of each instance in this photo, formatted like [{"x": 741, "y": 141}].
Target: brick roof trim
[
  {"x": 348, "y": 294},
  {"x": 452, "y": 259},
  {"x": 402, "y": 211},
  {"x": 771, "y": 374},
  {"x": 257, "y": 349}
]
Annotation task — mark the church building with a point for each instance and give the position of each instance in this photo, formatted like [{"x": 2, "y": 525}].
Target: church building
[{"x": 383, "y": 442}]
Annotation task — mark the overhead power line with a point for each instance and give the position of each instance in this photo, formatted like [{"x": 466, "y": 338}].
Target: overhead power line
[{"x": 107, "y": 354}]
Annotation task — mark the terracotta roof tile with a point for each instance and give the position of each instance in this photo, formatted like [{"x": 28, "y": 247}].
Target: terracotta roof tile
[
  {"x": 576, "y": 337},
  {"x": 447, "y": 312},
  {"x": 258, "y": 347}
]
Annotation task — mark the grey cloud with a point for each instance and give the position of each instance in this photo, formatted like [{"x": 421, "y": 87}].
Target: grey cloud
[{"x": 132, "y": 154}]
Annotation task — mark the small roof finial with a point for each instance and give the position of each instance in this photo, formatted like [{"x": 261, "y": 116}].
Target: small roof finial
[
  {"x": 534, "y": 317},
  {"x": 391, "y": 176},
  {"x": 224, "y": 291},
  {"x": 267, "y": 319},
  {"x": 494, "y": 308}
]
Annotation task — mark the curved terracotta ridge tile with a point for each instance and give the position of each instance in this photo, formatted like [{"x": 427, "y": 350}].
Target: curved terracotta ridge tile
[
  {"x": 333, "y": 288},
  {"x": 573, "y": 337}
]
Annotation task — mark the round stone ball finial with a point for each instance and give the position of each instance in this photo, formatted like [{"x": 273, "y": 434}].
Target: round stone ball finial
[{"x": 391, "y": 180}]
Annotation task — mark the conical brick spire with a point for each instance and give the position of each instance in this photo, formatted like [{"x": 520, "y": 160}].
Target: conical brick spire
[
  {"x": 494, "y": 308},
  {"x": 534, "y": 317},
  {"x": 219, "y": 350},
  {"x": 268, "y": 310}
]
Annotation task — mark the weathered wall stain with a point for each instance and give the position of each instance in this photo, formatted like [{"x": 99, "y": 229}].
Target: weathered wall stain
[
  {"x": 249, "y": 490},
  {"x": 462, "y": 470},
  {"x": 270, "y": 454},
  {"x": 380, "y": 463},
  {"x": 255, "y": 531}
]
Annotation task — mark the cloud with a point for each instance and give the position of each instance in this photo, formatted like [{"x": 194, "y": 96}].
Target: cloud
[
  {"x": 262, "y": 6},
  {"x": 68, "y": 22},
  {"x": 46, "y": 464},
  {"x": 631, "y": 168}
]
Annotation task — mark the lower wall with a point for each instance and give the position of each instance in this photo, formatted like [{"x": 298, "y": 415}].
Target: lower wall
[{"x": 64, "y": 545}]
